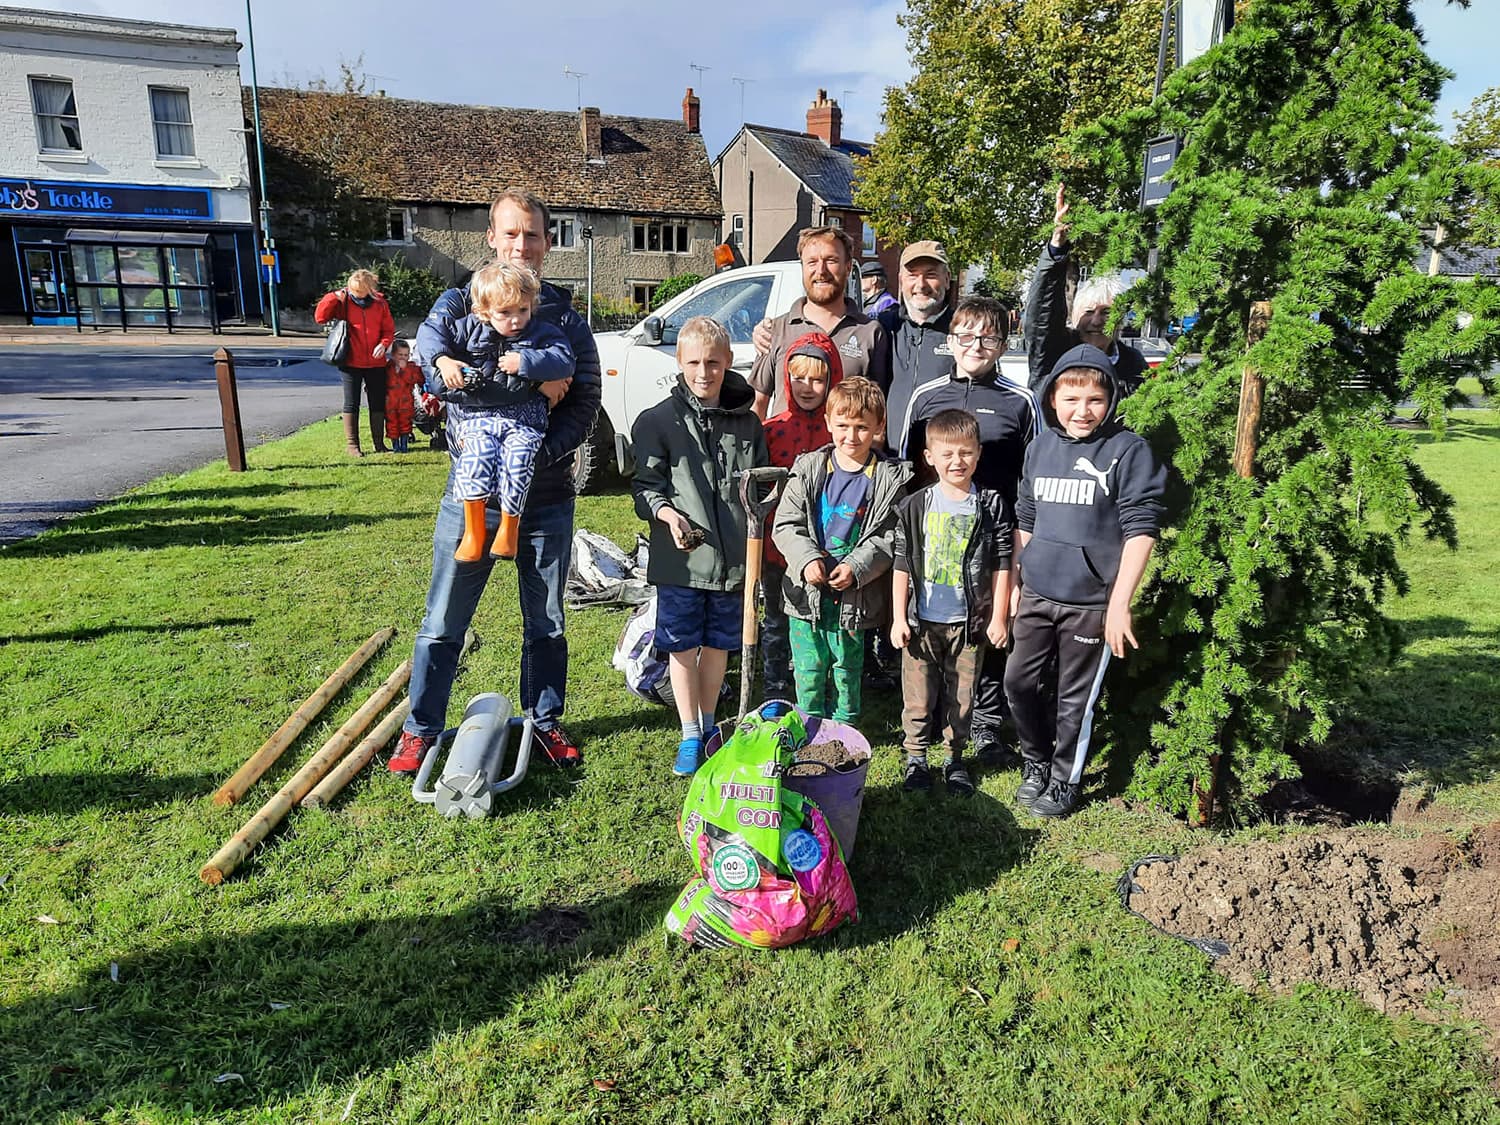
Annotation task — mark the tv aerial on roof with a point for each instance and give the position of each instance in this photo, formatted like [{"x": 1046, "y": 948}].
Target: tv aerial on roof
[{"x": 579, "y": 76}]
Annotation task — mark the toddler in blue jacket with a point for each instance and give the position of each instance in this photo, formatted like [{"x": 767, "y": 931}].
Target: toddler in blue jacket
[{"x": 487, "y": 366}]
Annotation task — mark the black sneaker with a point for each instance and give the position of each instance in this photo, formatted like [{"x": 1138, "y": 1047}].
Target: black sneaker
[
  {"x": 1034, "y": 778},
  {"x": 918, "y": 776},
  {"x": 560, "y": 749},
  {"x": 957, "y": 778},
  {"x": 1058, "y": 800},
  {"x": 993, "y": 752}
]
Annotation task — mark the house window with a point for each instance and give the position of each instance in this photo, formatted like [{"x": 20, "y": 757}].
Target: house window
[
  {"x": 737, "y": 233},
  {"x": 172, "y": 121},
  {"x": 836, "y": 222},
  {"x": 56, "y": 115},
  {"x": 643, "y": 292},
  {"x": 670, "y": 238},
  {"x": 397, "y": 226},
  {"x": 564, "y": 230},
  {"x": 869, "y": 240}
]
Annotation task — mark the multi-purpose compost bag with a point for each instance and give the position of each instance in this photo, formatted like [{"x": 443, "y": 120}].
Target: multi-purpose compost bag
[{"x": 771, "y": 873}]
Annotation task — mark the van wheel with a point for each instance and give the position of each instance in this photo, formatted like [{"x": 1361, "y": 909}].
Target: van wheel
[{"x": 591, "y": 462}]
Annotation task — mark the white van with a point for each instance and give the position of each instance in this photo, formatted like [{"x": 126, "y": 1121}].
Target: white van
[{"x": 640, "y": 364}]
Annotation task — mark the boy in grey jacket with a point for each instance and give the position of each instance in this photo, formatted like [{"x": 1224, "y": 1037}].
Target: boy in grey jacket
[
  {"x": 689, "y": 450},
  {"x": 950, "y": 595},
  {"x": 836, "y": 525}
]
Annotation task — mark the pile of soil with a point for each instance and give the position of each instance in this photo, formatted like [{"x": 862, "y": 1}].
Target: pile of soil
[
  {"x": 818, "y": 758},
  {"x": 1390, "y": 919}
]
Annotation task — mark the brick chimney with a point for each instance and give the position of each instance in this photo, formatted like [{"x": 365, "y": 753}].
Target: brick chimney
[
  {"x": 588, "y": 128},
  {"x": 825, "y": 120},
  {"x": 690, "y": 110}
]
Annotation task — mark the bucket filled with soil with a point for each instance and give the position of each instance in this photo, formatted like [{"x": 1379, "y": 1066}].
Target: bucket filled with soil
[{"x": 830, "y": 772}]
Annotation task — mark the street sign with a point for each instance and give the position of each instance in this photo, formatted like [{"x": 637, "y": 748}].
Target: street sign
[
  {"x": 1161, "y": 154},
  {"x": 270, "y": 266}
]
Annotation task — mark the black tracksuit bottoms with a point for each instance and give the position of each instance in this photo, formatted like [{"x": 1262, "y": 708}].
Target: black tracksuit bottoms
[{"x": 1045, "y": 631}]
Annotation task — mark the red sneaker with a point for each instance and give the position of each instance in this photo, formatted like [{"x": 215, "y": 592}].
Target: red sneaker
[
  {"x": 561, "y": 750},
  {"x": 409, "y": 752}
]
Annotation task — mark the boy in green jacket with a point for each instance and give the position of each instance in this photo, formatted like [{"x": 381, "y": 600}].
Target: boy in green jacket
[
  {"x": 836, "y": 525},
  {"x": 689, "y": 450}
]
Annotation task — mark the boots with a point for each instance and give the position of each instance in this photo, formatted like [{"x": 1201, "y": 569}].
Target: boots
[
  {"x": 508, "y": 537},
  {"x": 377, "y": 431},
  {"x": 471, "y": 548},
  {"x": 351, "y": 434}
]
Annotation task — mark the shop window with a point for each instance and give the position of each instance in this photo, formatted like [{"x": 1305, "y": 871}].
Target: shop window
[
  {"x": 670, "y": 238},
  {"x": 56, "y": 115},
  {"x": 643, "y": 293},
  {"x": 564, "y": 230},
  {"x": 172, "y": 121},
  {"x": 398, "y": 226}
]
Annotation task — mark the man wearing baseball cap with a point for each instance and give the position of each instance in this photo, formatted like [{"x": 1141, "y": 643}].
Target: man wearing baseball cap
[{"x": 918, "y": 329}]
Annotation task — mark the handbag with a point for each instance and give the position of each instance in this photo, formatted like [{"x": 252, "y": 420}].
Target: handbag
[{"x": 336, "y": 343}]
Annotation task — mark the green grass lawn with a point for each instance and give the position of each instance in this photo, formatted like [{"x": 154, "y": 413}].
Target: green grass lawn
[{"x": 375, "y": 963}]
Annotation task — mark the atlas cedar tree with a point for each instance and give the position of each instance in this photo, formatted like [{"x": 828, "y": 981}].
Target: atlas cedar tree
[{"x": 1311, "y": 167}]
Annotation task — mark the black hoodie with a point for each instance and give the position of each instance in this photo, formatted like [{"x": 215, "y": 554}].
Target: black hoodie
[{"x": 1082, "y": 498}]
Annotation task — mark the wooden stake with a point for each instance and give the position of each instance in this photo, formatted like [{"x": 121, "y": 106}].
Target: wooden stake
[
  {"x": 264, "y": 758},
  {"x": 259, "y": 826},
  {"x": 357, "y": 759},
  {"x": 229, "y": 410},
  {"x": 1246, "y": 441},
  {"x": 1252, "y": 394}
]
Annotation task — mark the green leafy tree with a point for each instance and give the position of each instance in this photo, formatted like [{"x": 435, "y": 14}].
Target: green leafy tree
[
  {"x": 1478, "y": 131},
  {"x": 678, "y": 283},
  {"x": 970, "y": 140},
  {"x": 410, "y": 290},
  {"x": 1311, "y": 167}
]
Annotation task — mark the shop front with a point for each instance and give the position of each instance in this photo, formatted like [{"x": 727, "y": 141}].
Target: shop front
[{"x": 124, "y": 256}]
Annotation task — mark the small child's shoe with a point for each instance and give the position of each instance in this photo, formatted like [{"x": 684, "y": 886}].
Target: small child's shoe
[
  {"x": 689, "y": 757},
  {"x": 1059, "y": 800},
  {"x": 918, "y": 777},
  {"x": 1034, "y": 779},
  {"x": 957, "y": 779}
]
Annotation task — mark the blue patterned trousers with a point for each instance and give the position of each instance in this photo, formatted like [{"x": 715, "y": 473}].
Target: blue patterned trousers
[{"x": 497, "y": 450}]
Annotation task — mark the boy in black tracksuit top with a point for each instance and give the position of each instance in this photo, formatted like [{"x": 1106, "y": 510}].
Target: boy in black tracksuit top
[
  {"x": 1087, "y": 514},
  {"x": 1008, "y": 421}
]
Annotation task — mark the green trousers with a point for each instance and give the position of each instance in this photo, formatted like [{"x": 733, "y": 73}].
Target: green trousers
[{"x": 827, "y": 661}]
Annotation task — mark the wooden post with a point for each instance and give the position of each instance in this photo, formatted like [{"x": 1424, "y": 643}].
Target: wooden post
[
  {"x": 356, "y": 760},
  {"x": 242, "y": 843},
  {"x": 1246, "y": 441},
  {"x": 264, "y": 758},
  {"x": 1252, "y": 394},
  {"x": 229, "y": 410}
]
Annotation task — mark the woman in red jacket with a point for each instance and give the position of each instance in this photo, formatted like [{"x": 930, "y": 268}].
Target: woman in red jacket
[{"x": 371, "y": 333}]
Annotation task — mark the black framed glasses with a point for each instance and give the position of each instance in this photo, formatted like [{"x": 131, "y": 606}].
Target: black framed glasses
[{"x": 969, "y": 339}]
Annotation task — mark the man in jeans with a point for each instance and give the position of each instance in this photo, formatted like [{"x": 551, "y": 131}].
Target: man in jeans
[{"x": 519, "y": 235}]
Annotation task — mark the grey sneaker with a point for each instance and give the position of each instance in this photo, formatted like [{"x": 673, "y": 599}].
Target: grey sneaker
[
  {"x": 1034, "y": 778},
  {"x": 1058, "y": 800}
]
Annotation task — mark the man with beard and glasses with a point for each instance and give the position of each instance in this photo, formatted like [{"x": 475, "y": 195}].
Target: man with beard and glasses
[{"x": 827, "y": 255}]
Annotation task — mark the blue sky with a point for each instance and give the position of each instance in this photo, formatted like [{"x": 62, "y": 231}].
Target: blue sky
[{"x": 637, "y": 57}]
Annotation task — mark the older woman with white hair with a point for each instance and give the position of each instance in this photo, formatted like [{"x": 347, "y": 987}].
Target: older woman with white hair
[
  {"x": 1050, "y": 329},
  {"x": 372, "y": 330}
]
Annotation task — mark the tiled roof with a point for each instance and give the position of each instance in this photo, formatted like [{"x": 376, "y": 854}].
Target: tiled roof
[
  {"x": 430, "y": 152},
  {"x": 827, "y": 172},
  {"x": 1469, "y": 261}
]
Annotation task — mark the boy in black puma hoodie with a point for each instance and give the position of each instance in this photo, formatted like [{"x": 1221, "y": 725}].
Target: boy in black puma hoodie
[{"x": 1087, "y": 515}]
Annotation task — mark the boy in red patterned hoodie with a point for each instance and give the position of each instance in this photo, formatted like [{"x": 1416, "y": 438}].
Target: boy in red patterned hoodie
[{"x": 810, "y": 369}]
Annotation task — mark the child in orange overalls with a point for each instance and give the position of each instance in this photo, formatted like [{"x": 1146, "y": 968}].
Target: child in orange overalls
[{"x": 402, "y": 377}]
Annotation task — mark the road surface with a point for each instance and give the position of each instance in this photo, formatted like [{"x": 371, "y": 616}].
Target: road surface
[{"x": 82, "y": 424}]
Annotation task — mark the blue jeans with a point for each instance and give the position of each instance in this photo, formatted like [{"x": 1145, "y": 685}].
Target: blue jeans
[{"x": 542, "y": 568}]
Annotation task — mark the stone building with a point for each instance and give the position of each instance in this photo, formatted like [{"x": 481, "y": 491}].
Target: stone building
[
  {"x": 640, "y": 189},
  {"x": 124, "y": 183},
  {"x": 774, "y": 182}
]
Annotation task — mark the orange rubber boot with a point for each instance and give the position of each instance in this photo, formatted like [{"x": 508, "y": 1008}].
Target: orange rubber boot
[
  {"x": 471, "y": 549},
  {"x": 508, "y": 538}
]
